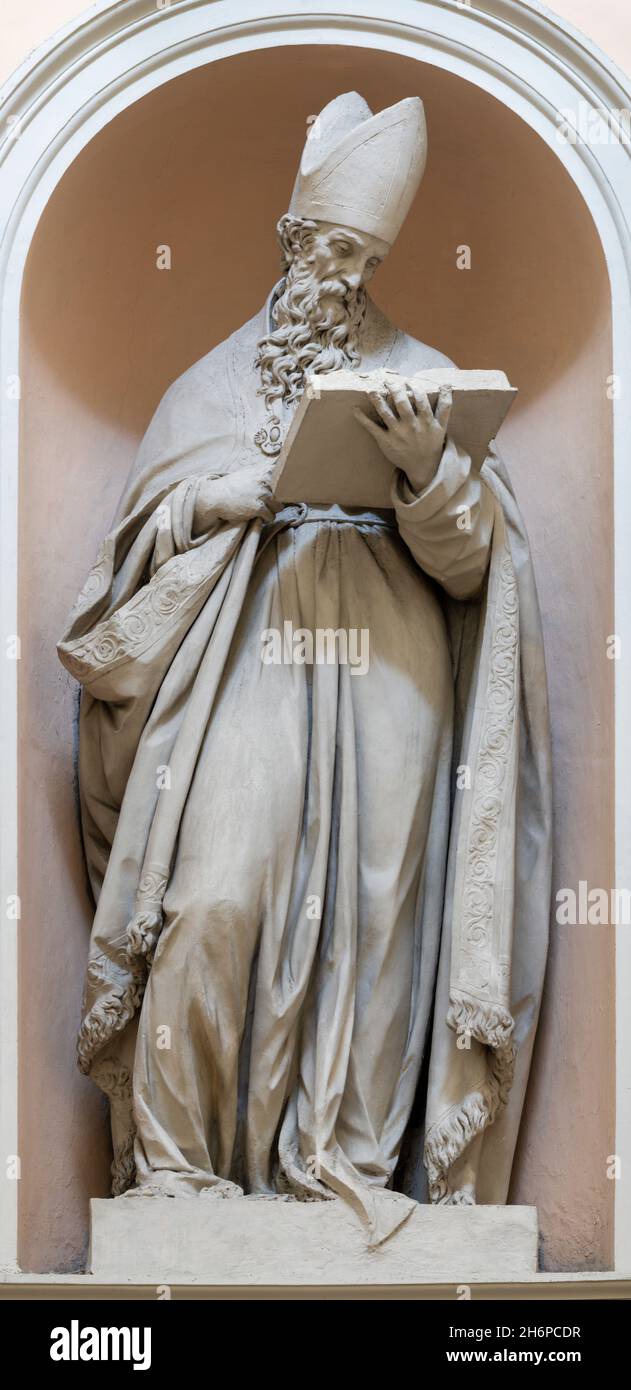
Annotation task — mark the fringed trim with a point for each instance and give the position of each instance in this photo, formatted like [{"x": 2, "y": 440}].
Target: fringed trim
[
  {"x": 108, "y": 1016},
  {"x": 123, "y": 1169},
  {"x": 491, "y": 1024},
  {"x": 114, "y": 1079},
  {"x": 117, "y": 992},
  {"x": 142, "y": 935},
  {"x": 448, "y": 1139},
  {"x": 461, "y": 1198}
]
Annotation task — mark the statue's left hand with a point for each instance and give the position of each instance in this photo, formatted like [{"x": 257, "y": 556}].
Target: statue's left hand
[{"x": 410, "y": 434}]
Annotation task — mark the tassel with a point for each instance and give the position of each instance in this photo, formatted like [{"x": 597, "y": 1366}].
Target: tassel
[{"x": 142, "y": 934}]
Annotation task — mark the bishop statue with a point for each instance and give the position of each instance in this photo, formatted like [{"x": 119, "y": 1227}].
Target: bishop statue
[{"x": 322, "y": 892}]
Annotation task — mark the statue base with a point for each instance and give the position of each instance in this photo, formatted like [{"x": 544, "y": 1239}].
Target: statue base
[{"x": 260, "y": 1241}]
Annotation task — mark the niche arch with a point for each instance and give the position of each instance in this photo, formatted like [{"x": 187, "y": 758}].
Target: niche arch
[{"x": 92, "y": 72}]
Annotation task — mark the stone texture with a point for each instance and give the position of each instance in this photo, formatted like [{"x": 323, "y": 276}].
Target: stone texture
[
  {"x": 254, "y": 1240},
  {"x": 346, "y": 930},
  {"x": 329, "y": 458}
]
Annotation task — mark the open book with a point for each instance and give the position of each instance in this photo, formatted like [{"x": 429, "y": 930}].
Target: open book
[{"x": 328, "y": 455}]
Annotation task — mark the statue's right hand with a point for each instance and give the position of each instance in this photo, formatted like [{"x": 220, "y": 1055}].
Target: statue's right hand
[{"x": 237, "y": 496}]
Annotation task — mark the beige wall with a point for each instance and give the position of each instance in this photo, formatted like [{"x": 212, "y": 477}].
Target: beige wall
[
  {"x": 205, "y": 164},
  {"x": 606, "y": 22}
]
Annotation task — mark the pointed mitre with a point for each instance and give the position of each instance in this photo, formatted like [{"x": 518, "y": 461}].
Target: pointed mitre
[{"x": 362, "y": 170}]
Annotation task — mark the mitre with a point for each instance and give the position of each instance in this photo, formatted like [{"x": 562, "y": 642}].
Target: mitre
[{"x": 360, "y": 169}]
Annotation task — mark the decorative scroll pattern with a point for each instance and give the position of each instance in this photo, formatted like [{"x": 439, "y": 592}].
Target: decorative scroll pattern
[
  {"x": 97, "y": 583},
  {"x": 477, "y": 963},
  {"x": 270, "y": 437},
  {"x": 483, "y": 967},
  {"x": 145, "y": 926},
  {"x": 140, "y": 621}
]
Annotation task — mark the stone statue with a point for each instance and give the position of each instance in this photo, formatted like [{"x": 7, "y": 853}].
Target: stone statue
[{"x": 322, "y": 887}]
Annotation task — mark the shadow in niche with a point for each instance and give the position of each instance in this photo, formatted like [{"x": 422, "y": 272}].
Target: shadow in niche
[{"x": 205, "y": 165}]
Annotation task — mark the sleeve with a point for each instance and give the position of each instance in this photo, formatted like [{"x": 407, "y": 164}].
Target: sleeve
[
  {"x": 195, "y": 432},
  {"x": 175, "y": 521},
  {"x": 194, "y": 435},
  {"x": 134, "y": 632},
  {"x": 448, "y": 526},
  {"x": 152, "y": 570}
]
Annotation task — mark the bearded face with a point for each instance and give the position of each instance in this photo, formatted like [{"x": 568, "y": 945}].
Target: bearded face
[{"x": 320, "y": 310}]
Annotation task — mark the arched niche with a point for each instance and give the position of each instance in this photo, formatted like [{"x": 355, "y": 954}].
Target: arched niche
[{"x": 194, "y": 144}]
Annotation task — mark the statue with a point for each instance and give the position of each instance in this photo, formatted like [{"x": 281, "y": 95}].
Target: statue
[{"x": 322, "y": 891}]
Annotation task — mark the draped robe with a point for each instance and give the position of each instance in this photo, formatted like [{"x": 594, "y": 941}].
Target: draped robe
[{"x": 322, "y": 896}]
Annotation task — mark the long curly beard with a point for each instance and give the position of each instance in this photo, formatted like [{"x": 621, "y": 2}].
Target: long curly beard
[{"x": 309, "y": 337}]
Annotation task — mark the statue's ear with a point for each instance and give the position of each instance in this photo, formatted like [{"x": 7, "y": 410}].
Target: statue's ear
[{"x": 301, "y": 239}]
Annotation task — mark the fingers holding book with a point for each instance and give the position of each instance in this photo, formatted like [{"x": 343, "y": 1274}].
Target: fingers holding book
[{"x": 410, "y": 434}]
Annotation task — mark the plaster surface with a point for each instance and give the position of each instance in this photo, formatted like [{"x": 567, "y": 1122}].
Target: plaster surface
[
  {"x": 257, "y": 1241},
  {"x": 94, "y": 301}
]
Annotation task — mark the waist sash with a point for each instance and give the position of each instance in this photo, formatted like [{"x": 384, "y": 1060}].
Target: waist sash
[{"x": 299, "y": 514}]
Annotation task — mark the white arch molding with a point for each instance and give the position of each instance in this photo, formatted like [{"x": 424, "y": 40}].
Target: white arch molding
[{"x": 77, "y": 82}]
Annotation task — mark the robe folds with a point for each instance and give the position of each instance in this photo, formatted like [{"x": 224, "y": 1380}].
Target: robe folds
[{"x": 322, "y": 893}]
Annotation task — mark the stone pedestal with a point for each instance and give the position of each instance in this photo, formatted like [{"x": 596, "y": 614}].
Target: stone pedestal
[{"x": 255, "y": 1241}]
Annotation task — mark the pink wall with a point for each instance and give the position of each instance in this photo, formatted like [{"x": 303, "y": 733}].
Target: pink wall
[{"x": 206, "y": 164}]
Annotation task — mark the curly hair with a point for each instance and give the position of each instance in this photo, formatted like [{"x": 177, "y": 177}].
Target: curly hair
[{"x": 306, "y": 337}]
